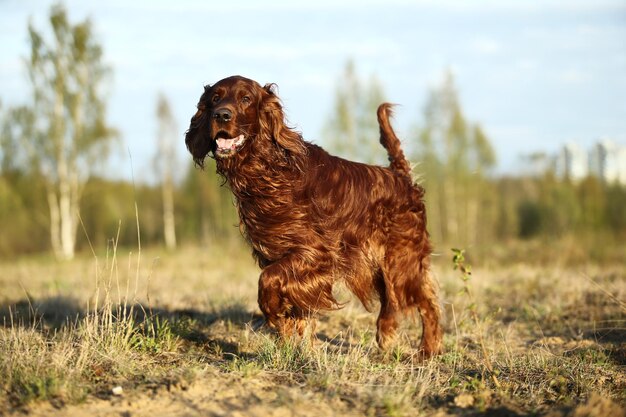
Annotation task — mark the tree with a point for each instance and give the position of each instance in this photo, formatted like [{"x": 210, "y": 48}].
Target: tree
[
  {"x": 456, "y": 157},
  {"x": 352, "y": 129},
  {"x": 23, "y": 218},
  {"x": 16, "y": 128},
  {"x": 210, "y": 213},
  {"x": 165, "y": 163},
  {"x": 69, "y": 131}
]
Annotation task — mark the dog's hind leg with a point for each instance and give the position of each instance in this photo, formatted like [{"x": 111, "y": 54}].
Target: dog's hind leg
[
  {"x": 430, "y": 312},
  {"x": 408, "y": 285},
  {"x": 387, "y": 322}
]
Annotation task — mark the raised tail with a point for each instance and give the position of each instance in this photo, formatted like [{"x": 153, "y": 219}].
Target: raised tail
[{"x": 388, "y": 138}]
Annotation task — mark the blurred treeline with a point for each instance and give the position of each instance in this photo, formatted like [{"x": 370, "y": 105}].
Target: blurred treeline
[
  {"x": 497, "y": 210},
  {"x": 204, "y": 212},
  {"x": 468, "y": 206},
  {"x": 50, "y": 198}
]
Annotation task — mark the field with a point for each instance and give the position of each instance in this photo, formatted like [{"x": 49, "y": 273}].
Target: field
[{"x": 145, "y": 333}]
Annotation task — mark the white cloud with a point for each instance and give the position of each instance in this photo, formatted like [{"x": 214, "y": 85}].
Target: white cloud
[
  {"x": 574, "y": 76},
  {"x": 485, "y": 45},
  {"x": 527, "y": 65}
]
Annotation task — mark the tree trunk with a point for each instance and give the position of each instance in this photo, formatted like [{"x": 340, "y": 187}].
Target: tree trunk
[
  {"x": 55, "y": 223},
  {"x": 60, "y": 194},
  {"x": 67, "y": 210},
  {"x": 451, "y": 209},
  {"x": 473, "y": 202},
  {"x": 165, "y": 162},
  {"x": 169, "y": 225},
  {"x": 63, "y": 216}
]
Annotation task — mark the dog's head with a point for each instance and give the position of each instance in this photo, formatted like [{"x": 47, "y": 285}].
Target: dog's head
[{"x": 234, "y": 116}]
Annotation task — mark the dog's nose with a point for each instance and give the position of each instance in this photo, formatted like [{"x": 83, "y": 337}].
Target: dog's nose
[{"x": 222, "y": 115}]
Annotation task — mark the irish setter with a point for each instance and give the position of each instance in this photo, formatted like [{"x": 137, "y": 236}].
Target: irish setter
[{"x": 313, "y": 219}]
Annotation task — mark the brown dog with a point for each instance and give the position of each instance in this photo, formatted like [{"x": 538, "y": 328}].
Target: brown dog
[{"x": 313, "y": 219}]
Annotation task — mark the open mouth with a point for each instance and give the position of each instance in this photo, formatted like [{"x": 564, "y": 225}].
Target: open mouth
[{"x": 228, "y": 147}]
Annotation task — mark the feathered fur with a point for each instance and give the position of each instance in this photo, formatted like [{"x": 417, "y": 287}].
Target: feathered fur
[{"x": 313, "y": 219}]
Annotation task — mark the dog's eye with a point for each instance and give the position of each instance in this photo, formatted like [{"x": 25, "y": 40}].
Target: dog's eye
[
  {"x": 246, "y": 100},
  {"x": 215, "y": 98}
]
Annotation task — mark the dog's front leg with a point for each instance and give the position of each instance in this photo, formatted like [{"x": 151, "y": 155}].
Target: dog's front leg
[
  {"x": 273, "y": 301},
  {"x": 291, "y": 292}
]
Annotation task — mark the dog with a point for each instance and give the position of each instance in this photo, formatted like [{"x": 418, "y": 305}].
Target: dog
[{"x": 313, "y": 219}]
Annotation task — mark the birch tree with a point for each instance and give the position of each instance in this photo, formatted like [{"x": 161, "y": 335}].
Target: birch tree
[
  {"x": 352, "y": 128},
  {"x": 165, "y": 162},
  {"x": 70, "y": 132},
  {"x": 456, "y": 156}
]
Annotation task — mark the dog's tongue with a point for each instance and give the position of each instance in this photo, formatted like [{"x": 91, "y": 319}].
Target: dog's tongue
[{"x": 229, "y": 143}]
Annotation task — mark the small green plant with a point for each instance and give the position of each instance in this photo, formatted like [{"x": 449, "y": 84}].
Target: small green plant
[
  {"x": 29, "y": 387},
  {"x": 365, "y": 337},
  {"x": 154, "y": 335},
  {"x": 458, "y": 260},
  {"x": 395, "y": 405},
  {"x": 291, "y": 355}
]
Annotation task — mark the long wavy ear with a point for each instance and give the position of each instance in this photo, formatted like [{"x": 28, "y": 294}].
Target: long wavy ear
[
  {"x": 273, "y": 127},
  {"x": 197, "y": 137}
]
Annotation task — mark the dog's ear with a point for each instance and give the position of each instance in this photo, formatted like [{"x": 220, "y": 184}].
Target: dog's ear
[
  {"x": 197, "y": 137},
  {"x": 272, "y": 121}
]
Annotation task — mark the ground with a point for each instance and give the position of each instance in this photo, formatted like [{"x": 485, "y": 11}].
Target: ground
[{"x": 132, "y": 333}]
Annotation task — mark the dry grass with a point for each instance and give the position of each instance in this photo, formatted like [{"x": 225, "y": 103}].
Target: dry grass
[{"x": 528, "y": 341}]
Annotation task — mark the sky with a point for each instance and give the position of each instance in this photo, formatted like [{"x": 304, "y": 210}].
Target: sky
[{"x": 534, "y": 74}]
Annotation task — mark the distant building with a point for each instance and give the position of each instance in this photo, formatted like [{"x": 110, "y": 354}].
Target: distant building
[
  {"x": 607, "y": 161},
  {"x": 572, "y": 162}
]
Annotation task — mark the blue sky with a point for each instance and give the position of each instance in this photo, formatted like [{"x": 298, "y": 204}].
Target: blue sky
[{"x": 534, "y": 74}]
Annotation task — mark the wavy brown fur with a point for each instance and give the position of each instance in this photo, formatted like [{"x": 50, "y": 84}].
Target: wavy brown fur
[{"x": 313, "y": 219}]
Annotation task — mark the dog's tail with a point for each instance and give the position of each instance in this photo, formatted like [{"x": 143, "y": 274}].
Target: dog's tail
[{"x": 388, "y": 138}]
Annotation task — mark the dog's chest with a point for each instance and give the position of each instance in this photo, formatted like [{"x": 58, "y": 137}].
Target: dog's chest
[{"x": 272, "y": 223}]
